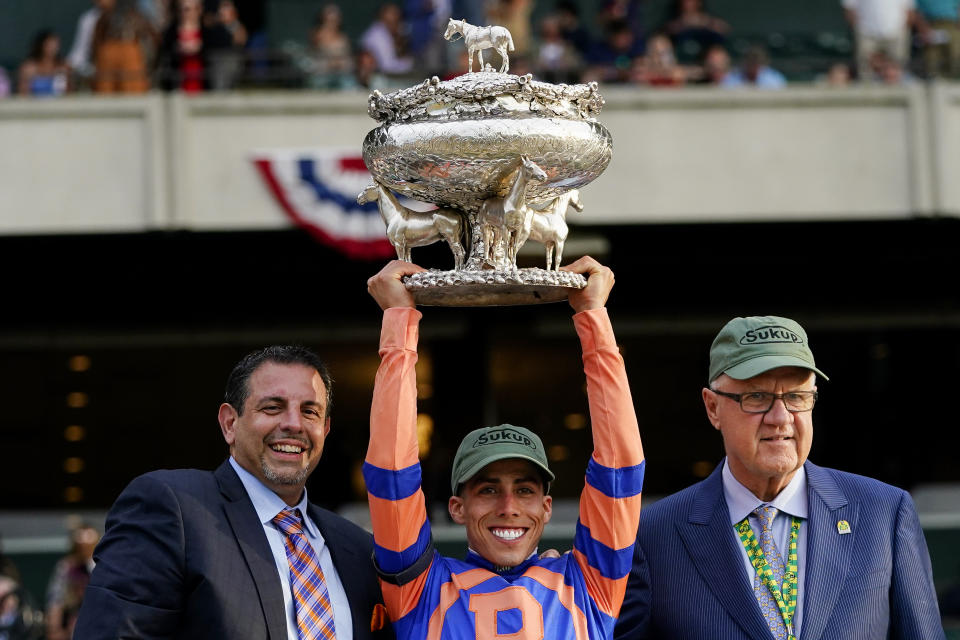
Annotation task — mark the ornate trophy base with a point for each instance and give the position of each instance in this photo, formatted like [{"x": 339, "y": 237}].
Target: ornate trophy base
[{"x": 492, "y": 288}]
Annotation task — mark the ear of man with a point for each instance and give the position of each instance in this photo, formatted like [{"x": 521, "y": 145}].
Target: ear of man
[
  {"x": 455, "y": 508},
  {"x": 227, "y": 416},
  {"x": 711, "y": 404}
]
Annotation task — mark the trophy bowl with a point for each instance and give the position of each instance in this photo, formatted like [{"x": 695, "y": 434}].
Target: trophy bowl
[
  {"x": 455, "y": 143},
  {"x": 497, "y": 150}
]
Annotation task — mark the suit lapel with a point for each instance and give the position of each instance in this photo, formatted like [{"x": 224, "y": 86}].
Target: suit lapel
[
  {"x": 346, "y": 560},
  {"x": 256, "y": 550},
  {"x": 714, "y": 552},
  {"x": 828, "y": 552}
]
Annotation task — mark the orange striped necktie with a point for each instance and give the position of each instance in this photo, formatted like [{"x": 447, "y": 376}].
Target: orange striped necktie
[{"x": 311, "y": 599}]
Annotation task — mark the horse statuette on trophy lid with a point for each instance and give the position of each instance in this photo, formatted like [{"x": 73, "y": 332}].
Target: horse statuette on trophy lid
[
  {"x": 504, "y": 155},
  {"x": 476, "y": 39}
]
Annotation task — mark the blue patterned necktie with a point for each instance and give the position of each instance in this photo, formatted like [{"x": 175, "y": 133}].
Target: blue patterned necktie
[
  {"x": 310, "y": 596},
  {"x": 768, "y": 606}
]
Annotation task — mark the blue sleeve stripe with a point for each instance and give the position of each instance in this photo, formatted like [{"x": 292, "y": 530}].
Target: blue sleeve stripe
[
  {"x": 392, "y": 485},
  {"x": 611, "y": 563},
  {"x": 622, "y": 482},
  {"x": 394, "y": 562}
]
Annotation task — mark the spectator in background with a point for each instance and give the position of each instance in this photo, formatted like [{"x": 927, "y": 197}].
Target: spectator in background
[
  {"x": 80, "y": 58},
  {"x": 367, "y": 75},
  {"x": 557, "y": 60},
  {"x": 838, "y": 75},
  {"x": 7, "y": 567},
  {"x": 226, "y": 37},
  {"x": 9, "y": 593},
  {"x": 515, "y": 16},
  {"x": 693, "y": 30},
  {"x": 118, "y": 41},
  {"x": 571, "y": 28},
  {"x": 716, "y": 66},
  {"x": 939, "y": 22},
  {"x": 44, "y": 72},
  {"x": 880, "y": 25},
  {"x": 386, "y": 41},
  {"x": 9, "y": 606},
  {"x": 658, "y": 67},
  {"x": 615, "y": 13},
  {"x": 755, "y": 71},
  {"x": 612, "y": 60},
  {"x": 330, "y": 53},
  {"x": 4, "y": 83},
  {"x": 68, "y": 582},
  {"x": 427, "y": 19},
  {"x": 473, "y": 11},
  {"x": 885, "y": 70},
  {"x": 182, "y": 52}
]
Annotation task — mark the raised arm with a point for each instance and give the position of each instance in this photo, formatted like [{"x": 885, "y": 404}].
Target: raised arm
[
  {"x": 610, "y": 502},
  {"x": 401, "y": 531}
]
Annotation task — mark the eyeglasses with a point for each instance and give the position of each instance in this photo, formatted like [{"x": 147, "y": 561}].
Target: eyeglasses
[{"x": 762, "y": 401}]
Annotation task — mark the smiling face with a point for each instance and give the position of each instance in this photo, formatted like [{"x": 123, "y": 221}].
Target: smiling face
[
  {"x": 504, "y": 509},
  {"x": 279, "y": 436},
  {"x": 764, "y": 450}
]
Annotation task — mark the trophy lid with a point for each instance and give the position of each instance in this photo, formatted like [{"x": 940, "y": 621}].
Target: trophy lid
[{"x": 486, "y": 94}]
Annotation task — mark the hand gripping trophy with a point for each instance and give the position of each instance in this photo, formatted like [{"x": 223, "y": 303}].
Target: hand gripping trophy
[{"x": 502, "y": 157}]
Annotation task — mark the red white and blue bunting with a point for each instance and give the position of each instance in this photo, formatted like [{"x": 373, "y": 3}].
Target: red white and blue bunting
[{"x": 317, "y": 189}]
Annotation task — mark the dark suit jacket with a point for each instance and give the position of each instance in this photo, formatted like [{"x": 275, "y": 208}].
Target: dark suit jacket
[
  {"x": 185, "y": 556},
  {"x": 689, "y": 582}
]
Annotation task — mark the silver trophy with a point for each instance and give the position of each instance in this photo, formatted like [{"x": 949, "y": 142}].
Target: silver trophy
[{"x": 502, "y": 157}]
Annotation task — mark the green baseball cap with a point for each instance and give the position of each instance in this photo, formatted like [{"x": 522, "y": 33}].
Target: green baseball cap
[
  {"x": 480, "y": 447},
  {"x": 747, "y": 347}
]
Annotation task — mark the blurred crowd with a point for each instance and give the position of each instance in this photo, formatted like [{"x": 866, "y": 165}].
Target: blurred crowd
[
  {"x": 23, "y": 619},
  {"x": 130, "y": 46}
]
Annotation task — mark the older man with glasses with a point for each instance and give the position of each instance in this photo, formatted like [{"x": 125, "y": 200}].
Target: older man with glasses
[{"x": 770, "y": 545}]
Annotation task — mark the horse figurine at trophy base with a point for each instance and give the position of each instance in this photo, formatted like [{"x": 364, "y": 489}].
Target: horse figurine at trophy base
[
  {"x": 407, "y": 228},
  {"x": 506, "y": 221},
  {"x": 549, "y": 225},
  {"x": 477, "y": 39}
]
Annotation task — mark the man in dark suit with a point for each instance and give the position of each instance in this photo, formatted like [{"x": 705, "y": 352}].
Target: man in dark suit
[
  {"x": 771, "y": 545},
  {"x": 240, "y": 552}
]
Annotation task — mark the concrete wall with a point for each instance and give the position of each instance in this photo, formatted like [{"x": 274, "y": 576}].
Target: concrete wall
[{"x": 90, "y": 164}]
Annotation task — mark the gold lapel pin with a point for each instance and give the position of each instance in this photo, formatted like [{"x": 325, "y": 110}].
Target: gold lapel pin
[{"x": 843, "y": 527}]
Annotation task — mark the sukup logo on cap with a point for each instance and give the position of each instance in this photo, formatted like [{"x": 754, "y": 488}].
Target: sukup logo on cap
[
  {"x": 504, "y": 435},
  {"x": 480, "y": 447},
  {"x": 770, "y": 334},
  {"x": 747, "y": 347}
]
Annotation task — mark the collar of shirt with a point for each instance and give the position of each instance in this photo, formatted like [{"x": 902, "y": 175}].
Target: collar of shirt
[
  {"x": 268, "y": 504},
  {"x": 741, "y": 502},
  {"x": 477, "y": 559}
]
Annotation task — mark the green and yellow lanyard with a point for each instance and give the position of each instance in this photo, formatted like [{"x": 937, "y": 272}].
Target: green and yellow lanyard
[{"x": 787, "y": 606}]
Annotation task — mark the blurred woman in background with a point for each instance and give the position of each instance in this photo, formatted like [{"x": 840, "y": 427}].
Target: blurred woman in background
[
  {"x": 44, "y": 72},
  {"x": 182, "y": 50},
  {"x": 118, "y": 41}
]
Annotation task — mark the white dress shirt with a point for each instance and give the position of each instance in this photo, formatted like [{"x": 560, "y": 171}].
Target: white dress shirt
[
  {"x": 268, "y": 504},
  {"x": 791, "y": 501}
]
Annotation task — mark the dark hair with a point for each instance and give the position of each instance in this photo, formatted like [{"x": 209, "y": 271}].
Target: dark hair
[
  {"x": 567, "y": 6},
  {"x": 676, "y": 9},
  {"x": 238, "y": 388},
  {"x": 36, "y": 45}
]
